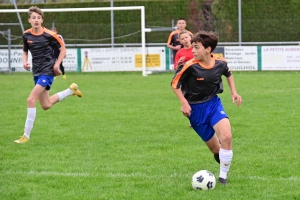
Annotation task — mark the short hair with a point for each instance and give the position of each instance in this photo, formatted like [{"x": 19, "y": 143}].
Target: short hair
[
  {"x": 207, "y": 39},
  {"x": 36, "y": 10},
  {"x": 180, "y": 19},
  {"x": 183, "y": 32}
]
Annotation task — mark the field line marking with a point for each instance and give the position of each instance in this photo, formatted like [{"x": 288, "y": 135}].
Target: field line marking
[
  {"x": 137, "y": 174},
  {"x": 289, "y": 89}
]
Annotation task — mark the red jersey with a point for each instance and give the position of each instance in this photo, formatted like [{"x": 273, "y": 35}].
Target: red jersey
[
  {"x": 173, "y": 40},
  {"x": 183, "y": 52}
]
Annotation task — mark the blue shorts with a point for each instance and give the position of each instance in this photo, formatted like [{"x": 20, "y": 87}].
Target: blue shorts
[
  {"x": 44, "y": 80},
  {"x": 205, "y": 115}
]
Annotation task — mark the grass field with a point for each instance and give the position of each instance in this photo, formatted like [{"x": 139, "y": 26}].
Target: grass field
[{"x": 127, "y": 139}]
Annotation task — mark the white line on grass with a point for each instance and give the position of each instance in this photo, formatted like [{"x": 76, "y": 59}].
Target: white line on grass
[
  {"x": 43, "y": 173},
  {"x": 137, "y": 175},
  {"x": 285, "y": 90},
  {"x": 275, "y": 91}
]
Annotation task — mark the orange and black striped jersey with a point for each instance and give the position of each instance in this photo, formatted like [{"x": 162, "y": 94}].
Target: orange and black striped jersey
[
  {"x": 198, "y": 82},
  {"x": 41, "y": 47}
]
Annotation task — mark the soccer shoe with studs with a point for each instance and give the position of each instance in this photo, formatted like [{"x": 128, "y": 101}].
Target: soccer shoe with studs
[
  {"x": 22, "y": 139},
  {"x": 75, "y": 90},
  {"x": 223, "y": 181},
  {"x": 64, "y": 76}
]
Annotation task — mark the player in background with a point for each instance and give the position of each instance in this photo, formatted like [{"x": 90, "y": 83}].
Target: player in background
[
  {"x": 184, "y": 54},
  {"x": 40, "y": 42},
  {"x": 196, "y": 84},
  {"x": 56, "y": 53},
  {"x": 173, "y": 40}
]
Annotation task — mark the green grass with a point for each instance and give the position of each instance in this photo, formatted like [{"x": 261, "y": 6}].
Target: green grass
[{"x": 127, "y": 139}]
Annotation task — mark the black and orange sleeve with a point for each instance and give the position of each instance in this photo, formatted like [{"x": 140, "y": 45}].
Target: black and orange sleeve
[
  {"x": 56, "y": 40},
  {"x": 180, "y": 75},
  {"x": 227, "y": 71},
  {"x": 25, "y": 44},
  {"x": 170, "y": 38}
]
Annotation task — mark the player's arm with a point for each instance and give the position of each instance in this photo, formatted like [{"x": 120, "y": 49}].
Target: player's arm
[
  {"x": 180, "y": 61},
  {"x": 177, "y": 57},
  {"x": 180, "y": 76},
  {"x": 62, "y": 55},
  {"x": 185, "y": 106},
  {"x": 26, "y": 64},
  {"x": 234, "y": 95},
  {"x": 169, "y": 44},
  {"x": 62, "y": 39},
  {"x": 58, "y": 43}
]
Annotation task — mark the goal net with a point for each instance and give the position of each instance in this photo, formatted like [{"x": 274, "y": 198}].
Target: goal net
[{"x": 97, "y": 39}]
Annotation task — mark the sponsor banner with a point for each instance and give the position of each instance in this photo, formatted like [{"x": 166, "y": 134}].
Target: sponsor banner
[
  {"x": 130, "y": 59},
  {"x": 122, "y": 59},
  {"x": 219, "y": 51},
  {"x": 16, "y": 61},
  {"x": 280, "y": 57},
  {"x": 242, "y": 58},
  {"x": 70, "y": 62},
  {"x": 239, "y": 58}
]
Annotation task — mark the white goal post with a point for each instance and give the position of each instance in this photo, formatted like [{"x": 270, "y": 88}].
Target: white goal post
[{"x": 141, "y": 8}]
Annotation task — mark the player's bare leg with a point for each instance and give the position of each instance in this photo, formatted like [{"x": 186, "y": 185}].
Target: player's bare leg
[
  {"x": 31, "y": 112},
  {"x": 214, "y": 146},
  {"x": 224, "y": 132},
  {"x": 40, "y": 93}
]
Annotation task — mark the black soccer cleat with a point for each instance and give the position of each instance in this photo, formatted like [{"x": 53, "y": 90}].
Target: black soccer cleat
[
  {"x": 216, "y": 156},
  {"x": 223, "y": 181}
]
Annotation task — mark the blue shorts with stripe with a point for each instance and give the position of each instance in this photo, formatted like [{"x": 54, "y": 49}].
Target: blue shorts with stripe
[
  {"x": 205, "y": 115},
  {"x": 44, "y": 80}
]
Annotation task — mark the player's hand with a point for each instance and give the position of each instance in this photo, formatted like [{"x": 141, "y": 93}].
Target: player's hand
[
  {"x": 177, "y": 47},
  {"x": 236, "y": 98},
  {"x": 181, "y": 60},
  {"x": 26, "y": 65},
  {"x": 186, "y": 110},
  {"x": 56, "y": 70}
]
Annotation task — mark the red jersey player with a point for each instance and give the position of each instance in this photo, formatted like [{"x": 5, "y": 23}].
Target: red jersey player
[{"x": 185, "y": 53}]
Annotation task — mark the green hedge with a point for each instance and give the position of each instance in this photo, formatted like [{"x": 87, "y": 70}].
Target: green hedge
[{"x": 264, "y": 20}]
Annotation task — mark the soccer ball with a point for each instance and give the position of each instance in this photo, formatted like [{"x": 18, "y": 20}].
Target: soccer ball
[{"x": 203, "y": 180}]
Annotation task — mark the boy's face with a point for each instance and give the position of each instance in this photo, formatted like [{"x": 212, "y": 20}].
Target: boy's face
[
  {"x": 181, "y": 24},
  {"x": 35, "y": 20},
  {"x": 199, "y": 51},
  {"x": 185, "y": 39}
]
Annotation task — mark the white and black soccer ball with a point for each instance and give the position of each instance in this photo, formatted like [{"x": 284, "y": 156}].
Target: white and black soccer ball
[{"x": 203, "y": 180}]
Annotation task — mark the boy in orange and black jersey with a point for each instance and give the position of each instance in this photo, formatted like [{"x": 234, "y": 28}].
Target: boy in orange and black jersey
[
  {"x": 196, "y": 84},
  {"x": 173, "y": 39},
  {"x": 40, "y": 42},
  {"x": 41, "y": 48}
]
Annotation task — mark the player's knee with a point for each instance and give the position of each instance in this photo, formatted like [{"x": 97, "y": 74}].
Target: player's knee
[
  {"x": 31, "y": 102},
  {"x": 226, "y": 138},
  {"x": 46, "y": 107}
]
